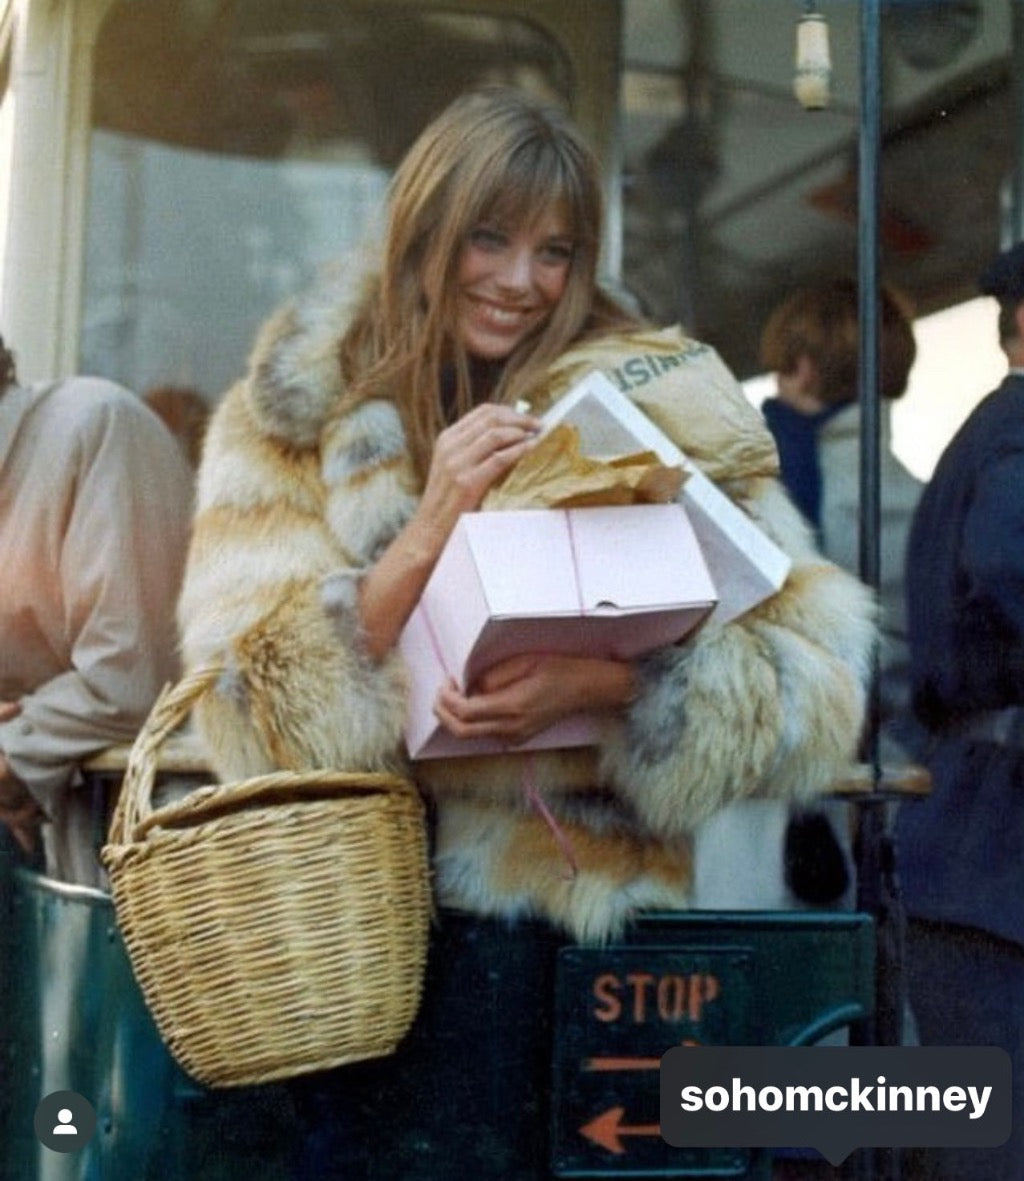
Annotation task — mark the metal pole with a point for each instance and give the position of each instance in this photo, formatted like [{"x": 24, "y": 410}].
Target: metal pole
[
  {"x": 869, "y": 866},
  {"x": 877, "y": 891},
  {"x": 869, "y": 186}
]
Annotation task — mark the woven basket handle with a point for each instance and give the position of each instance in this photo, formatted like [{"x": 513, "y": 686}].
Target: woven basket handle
[
  {"x": 134, "y": 814},
  {"x": 206, "y": 803},
  {"x": 172, "y": 707}
]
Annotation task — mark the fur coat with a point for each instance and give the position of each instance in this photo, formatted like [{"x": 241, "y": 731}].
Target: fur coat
[{"x": 295, "y": 500}]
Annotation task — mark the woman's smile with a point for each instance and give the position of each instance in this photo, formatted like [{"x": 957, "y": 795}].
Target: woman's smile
[{"x": 502, "y": 317}]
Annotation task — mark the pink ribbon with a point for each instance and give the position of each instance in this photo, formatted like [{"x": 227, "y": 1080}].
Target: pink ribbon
[
  {"x": 534, "y": 798},
  {"x": 575, "y": 563}
]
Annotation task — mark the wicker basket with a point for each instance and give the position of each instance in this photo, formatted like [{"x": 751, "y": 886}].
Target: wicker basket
[{"x": 277, "y": 925}]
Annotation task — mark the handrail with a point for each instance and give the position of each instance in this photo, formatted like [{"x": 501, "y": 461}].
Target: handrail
[
  {"x": 181, "y": 754},
  {"x": 184, "y": 754},
  {"x": 909, "y": 779}
]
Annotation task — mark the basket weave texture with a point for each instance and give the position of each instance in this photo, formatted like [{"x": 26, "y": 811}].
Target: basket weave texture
[{"x": 276, "y": 925}]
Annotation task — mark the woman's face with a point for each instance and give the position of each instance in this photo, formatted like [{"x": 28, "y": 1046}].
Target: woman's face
[{"x": 509, "y": 282}]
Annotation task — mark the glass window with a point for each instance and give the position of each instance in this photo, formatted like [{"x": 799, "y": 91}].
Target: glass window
[{"x": 237, "y": 148}]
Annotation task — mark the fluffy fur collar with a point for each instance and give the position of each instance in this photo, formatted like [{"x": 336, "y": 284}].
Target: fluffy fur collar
[{"x": 294, "y": 382}]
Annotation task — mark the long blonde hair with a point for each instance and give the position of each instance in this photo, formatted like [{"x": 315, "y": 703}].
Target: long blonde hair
[{"x": 494, "y": 156}]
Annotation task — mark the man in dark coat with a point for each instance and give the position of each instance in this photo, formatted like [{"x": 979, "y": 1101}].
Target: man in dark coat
[{"x": 961, "y": 851}]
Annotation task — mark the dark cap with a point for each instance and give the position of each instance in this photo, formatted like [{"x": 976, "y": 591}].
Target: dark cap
[{"x": 1004, "y": 275}]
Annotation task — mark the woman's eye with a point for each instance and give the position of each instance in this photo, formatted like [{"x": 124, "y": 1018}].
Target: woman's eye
[
  {"x": 487, "y": 239},
  {"x": 557, "y": 252}
]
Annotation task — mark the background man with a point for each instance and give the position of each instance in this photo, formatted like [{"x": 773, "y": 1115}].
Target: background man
[
  {"x": 961, "y": 851},
  {"x": 95, "y": 498}
]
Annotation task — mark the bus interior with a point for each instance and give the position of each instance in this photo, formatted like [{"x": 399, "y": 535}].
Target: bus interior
[{"x": 173, "y": 169}]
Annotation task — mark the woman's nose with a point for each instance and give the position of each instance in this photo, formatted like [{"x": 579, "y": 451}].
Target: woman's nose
[{"x": 515, "y": 271}]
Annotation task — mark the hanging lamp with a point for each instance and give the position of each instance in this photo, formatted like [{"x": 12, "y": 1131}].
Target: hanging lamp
[{"x": 813, "y": 75}]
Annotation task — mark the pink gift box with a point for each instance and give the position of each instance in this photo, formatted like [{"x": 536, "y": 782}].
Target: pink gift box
[{"x": 601, "y": 582}]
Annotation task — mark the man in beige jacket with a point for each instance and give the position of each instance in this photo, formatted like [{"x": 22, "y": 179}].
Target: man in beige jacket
[{"x": 94, "y": 506}]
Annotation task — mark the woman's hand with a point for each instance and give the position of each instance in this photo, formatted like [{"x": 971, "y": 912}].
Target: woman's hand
[
  {"x": 518, "y": 698},
  {"x": 469, "y": 457}
]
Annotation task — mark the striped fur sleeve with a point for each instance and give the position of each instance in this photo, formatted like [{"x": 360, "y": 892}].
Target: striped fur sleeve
[{"x": 270, "y": 595}]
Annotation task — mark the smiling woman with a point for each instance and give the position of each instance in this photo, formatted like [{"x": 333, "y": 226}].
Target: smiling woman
[{"x": 374, "y": 415}]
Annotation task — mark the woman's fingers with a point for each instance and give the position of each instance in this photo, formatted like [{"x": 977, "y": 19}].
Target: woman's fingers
[
  {"x": 486, "y": 429},
  {"x": 470, "y": 456},
  {"x": 507, "y": 709},
  {"x": 474, "y": 465},
  {"x": 490, "y": 414},
  {"x": 468, "y": 717},
  {"x": 528, "y": 693}
]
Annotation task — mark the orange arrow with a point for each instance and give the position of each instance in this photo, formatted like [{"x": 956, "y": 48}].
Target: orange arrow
[
  {"x": 609, "y": 1063},
  {"x": 607, "y": 1130}
]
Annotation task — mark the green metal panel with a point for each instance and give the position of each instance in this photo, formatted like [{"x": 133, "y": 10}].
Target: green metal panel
[
  {"x": 814, "y": 971},
  {"x": 77, "y": 1021},
  {"x": 705, "y": 978},
  {"x": 488, "y": 1084},
  {"x": 618, "y": 1010}
]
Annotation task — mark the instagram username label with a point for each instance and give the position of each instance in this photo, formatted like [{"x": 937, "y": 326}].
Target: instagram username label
[{"x": 835, "y": 1098}]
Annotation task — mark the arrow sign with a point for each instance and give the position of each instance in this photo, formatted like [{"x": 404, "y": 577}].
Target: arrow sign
[
  {"x": 607, "y": 1063},
  {"x": 607, "y": 1130},
  {"x": 613, "y": 1064}
]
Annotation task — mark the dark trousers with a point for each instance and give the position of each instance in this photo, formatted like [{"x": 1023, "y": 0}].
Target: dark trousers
[{"x": 966, "y": 988}]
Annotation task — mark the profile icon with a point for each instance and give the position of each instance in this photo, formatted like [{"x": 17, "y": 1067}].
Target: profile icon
[
  {"x": 65, "y": 1127},
  {"x": 65, "y": 1121}
]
